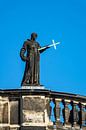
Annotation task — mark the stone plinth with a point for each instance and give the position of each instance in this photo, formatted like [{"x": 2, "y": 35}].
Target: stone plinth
[
  {"x": 33, "y": 128},
  {"x": 33, "y": 87},
  {"x": 34, "y": 111}
]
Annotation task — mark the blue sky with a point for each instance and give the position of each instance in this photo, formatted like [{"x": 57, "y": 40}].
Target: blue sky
[{"x": 63, "y": 69}]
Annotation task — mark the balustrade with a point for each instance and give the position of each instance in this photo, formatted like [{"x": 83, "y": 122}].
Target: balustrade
[{"x": 71, "y": 114}]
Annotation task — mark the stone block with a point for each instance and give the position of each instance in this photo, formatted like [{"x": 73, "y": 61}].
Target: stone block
[
  {"x": 14, "y": 112},
  {"x": 34, "y": 128},
  {"x": 4, "y": 113},
  {"x": 14, "y": 128},
  {"x": 36, "y": 104},
  {"x": 4, "y": 128},
  {"x": 33, "y": 109}
]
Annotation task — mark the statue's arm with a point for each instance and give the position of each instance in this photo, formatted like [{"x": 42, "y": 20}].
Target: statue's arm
[
  {"x": 22, "y": 52},
  {"x": 42, "y": 49}
]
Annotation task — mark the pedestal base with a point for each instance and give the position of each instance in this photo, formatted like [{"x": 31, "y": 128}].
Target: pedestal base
[
  {"x": 34, "y": 111},
  {"x": 33, "y": 87}
]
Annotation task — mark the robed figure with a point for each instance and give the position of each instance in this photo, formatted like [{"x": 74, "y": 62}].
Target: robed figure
[{"x": 30, "y": 53}]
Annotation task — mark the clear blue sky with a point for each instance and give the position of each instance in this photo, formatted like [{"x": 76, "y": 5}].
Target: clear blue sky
[{"x": 63, "y": 69}]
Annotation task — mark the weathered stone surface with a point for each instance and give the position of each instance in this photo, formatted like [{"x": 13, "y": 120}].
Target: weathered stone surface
[
  {"x": 4, "y": 113},
  {"x": 1, "y": 113},
  {"x": 50, "y": 128},
  {"x": 67, "y": 113},
  {"x": 36, "y": 104},
  {"x": 83, "y": 115},
  {"x": 14, "y": 112},
  {"x": 33, "y": 117},
  {"x": 76, "y": 116},
  {"x": 34, "y": 128},
  {"x": 33, "y": 109},
  {"x": 58, "y": 110},
  {"x": 48, "y": 107},
  {"x": 14, "y": 128},
  {"x": 4, "y": 128}
]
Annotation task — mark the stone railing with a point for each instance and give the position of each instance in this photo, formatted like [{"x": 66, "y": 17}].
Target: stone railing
[
  {"x": 41, "y": 109},
  {"x": 72, "y": 108}
]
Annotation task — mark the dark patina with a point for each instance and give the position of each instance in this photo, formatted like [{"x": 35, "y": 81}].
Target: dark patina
[{"x": 32, "y": 58}]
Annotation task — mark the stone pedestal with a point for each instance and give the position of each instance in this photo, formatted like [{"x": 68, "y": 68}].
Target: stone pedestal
[
  {"x": 33, "y": 87},
  {"x": 34, "y": 112}
]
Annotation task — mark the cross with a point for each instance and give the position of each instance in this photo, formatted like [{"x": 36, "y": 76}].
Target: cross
[{"x": 53, "y": 44}]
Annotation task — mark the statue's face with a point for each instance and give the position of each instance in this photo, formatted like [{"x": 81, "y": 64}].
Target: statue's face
[{"x": 33, "y": 36}]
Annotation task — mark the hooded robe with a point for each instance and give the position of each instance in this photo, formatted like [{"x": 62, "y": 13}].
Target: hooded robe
[{"x": 31, "y": 74}]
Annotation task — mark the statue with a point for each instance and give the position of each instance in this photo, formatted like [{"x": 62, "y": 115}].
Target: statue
[
  {"x": 32, "y": 49},
  {"x": 32, "y": 58}
]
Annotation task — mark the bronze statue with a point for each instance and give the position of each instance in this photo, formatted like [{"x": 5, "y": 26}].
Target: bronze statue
[
  {"x": 32, "y": 58},
  {"x": 32, "y": 49}
]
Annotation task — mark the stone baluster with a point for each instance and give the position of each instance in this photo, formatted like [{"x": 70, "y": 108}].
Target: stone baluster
[
  {"x": 63, "y": 111},
  {"x": 73, "y": 114},
  {"x": 67, "y": 113},
  {"x": 80, "y": 115},
  {"x": 76, "y": 115},
  {"x": 83, "y": 115},
  {"x": 71, "y": 117},
  {"x": 57, "y": 109}
]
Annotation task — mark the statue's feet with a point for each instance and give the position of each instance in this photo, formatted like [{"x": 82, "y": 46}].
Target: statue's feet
[
  {"x": 26, "y": 84},
  {"x": 30, "y": 83}
]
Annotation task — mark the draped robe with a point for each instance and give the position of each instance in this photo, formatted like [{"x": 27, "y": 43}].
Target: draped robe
[{"x": 31, "y": 74}]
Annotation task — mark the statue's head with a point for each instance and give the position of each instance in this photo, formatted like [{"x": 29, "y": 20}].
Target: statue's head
[{"x": 33, "y": 36}]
